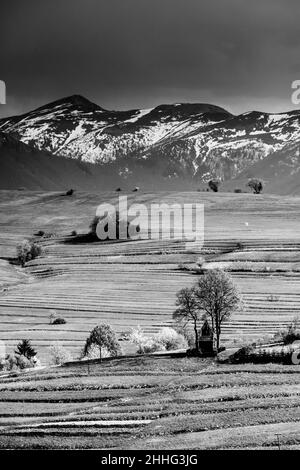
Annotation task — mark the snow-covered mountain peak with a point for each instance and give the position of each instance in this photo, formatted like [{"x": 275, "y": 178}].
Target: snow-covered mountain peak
[{"x": 190, "y": 140}]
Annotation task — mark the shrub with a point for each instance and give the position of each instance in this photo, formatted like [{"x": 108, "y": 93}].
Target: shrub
[
  {"x": 238, "y": 190},
  {"x": 256, "y": 185},
  {"x": 187, "y": 334},
  {"x": 27, "y": 251},
  {"x": 23, "y": 363},
  {"x": 18, "y": 362},
  {"x": 49, "y": 235},
  {"x": 214, "y": 185},
  {"x": 52, "y": 316},
  {"x": 59, "y": 354},
  {"x": 171, "y": 339},
  {"x": 70, "y": 192},
  {"x": 124, "y": 336},
  {"x": 59, "y": 321},
  {"x": 184, "y": 267},
  {"x": 9, "y": 363},
  {"x": 145, "y": 344},
  {"x": 166, "y": 340},
  {"x": 200, "y": 262},
  {"x": 290, "y": 334},
  {"x": 242, "y": 354},
  {"x": 74, "y": 233},
  {"x": 39, "y": 233},
  {"x": 250, "y": 354}
]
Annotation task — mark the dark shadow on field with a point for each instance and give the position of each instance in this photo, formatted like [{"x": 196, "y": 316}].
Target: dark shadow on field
[
  {"x": 81, "y": 238},
  {"x": 85, "y": 238}
]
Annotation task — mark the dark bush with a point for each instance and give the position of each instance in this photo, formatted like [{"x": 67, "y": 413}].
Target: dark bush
[
  {"x": 49, "y": 235},
  {"x": 59, "y": 321},
  {"x": 242, "y": 354},
  {"x": 290, "y": 334},
  {"x": 70, "y": 192},
  {"x": 250, "y": 354},
  {"x": 40, "y": 233},
  {"x": 256, "y": 185},
  {"x": 214, "y": 185},
  {"x": 27, "y": 251}
]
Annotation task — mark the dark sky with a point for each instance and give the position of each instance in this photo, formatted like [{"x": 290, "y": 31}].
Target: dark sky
[{"x": 240, "y": 54}]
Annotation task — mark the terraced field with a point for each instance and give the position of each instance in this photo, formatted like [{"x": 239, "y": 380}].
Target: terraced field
[
  {"x": 152, "y": 403},
  {"x": 133, "y": 283},
  {"x": 146, "y": 402}
]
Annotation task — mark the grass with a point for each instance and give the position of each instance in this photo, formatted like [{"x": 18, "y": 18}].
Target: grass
[
  {"x": 198, "y": 397},
  {"x": 190, "y": 402}
]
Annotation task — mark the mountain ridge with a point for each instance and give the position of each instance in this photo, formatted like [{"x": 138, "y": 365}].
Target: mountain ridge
[{"x": 170, "y": 143}]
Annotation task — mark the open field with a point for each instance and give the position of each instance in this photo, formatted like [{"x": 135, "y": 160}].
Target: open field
[
  {"x": 133, "y": 283},
  {"x": 152, "y": 403},
  {"x": 146, "y": 402}
]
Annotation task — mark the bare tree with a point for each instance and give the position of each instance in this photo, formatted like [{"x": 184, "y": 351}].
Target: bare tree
[
  {"x": 188, "y": 311},
  {"x": 217, "y": 298}
]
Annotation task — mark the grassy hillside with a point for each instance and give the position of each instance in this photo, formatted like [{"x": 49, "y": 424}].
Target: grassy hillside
[
  {"x": 134, "y": 283},
  {"x": 152, "y": 403},
  {"x": 146, "y": 402},
  {"x": 22, "y": 166},
  {"x": 279, "y": 171}
]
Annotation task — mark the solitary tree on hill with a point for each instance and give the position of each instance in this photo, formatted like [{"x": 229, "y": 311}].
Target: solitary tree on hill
[
  {"x": 103, "y": 338},
  {"x": 27, "y": 251},
  {"x": 214, "y": 185},
  {"x": 256, "y": 185}
]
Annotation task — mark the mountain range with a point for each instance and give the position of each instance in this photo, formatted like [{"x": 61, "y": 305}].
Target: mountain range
[{"x": 74, "y": 142}]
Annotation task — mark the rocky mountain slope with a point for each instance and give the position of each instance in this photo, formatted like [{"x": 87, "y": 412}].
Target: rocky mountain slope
[
  {"x": 164, "y": 146},
  {"x": 22, "y": 166}
]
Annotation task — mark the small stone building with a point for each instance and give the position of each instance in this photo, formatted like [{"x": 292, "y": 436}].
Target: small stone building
[{"x": 206, "y": 340}]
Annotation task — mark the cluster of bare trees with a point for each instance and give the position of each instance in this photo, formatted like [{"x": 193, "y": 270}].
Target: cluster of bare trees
[{"x": 213, "y": 298}]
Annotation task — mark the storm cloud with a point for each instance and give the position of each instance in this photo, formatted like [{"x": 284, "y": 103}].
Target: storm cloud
[{"x": 126, "y": 54}]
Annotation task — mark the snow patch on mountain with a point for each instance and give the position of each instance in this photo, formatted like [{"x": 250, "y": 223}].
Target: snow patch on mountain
[{"x": 187, "y": 139}]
